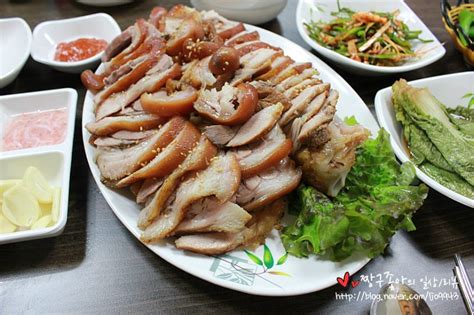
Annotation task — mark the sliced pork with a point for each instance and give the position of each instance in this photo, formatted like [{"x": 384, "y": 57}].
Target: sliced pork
[
  {"x": 296, "y": 79},
  {"x": 208, "y": 215},
  {"x": 253, "y": 64},
  {"x": 202, "y": 184},
  {"x": 312, "y": 132},
  {"x": 198, "y": 74},
  {"x": 257, "y": 126},
  {"x": 116, "y": 163},
  {"x": 242, "y": 37},
  {"x": 148, "y": 188},
  {"x": 126, "y": 80},
  {"x": 168, "y": 158},
  {"x": 198, "y": 159},
  {"x": 118, "y": 44},
  {"x": 229, "y": 106},
  {"x": 148, "y": 83},
  {"x": 292, "y": 70},
  {"x": 268, "y": 186},
  {"x": 220, "y": 135},
  {"x": 302, "y": 101},
  {"x": 109, "y": 125},
  {"x": 218, "y": 243},
  {"x": 267, "y": 152}
]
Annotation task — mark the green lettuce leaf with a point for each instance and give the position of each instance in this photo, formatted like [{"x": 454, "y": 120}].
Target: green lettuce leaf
[
  {"x": 428, "y": 114},
  {"x": 378, "y": 200},
  {"x": 463, "y": 117}
]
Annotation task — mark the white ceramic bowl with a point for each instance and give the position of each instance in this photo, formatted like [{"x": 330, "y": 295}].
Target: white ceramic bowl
[
  {"x": 449, "y": 89},
  {"x": 248, "y": 11},
  {"x": 54, "y": 161},
  {"x": 310, "y": 10},
  {"x": 15, "y": 47},
  {"x": 104, "y": 3},
  {"x": 47, "y": 35}
]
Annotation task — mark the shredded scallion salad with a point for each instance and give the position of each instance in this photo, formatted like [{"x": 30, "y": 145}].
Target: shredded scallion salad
[{"x": 376, "y": 38}]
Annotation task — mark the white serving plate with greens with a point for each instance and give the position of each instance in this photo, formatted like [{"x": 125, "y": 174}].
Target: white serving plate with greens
[
  {"x": 235, "y": 270},
  {"x": 314, "y": 10},
  {"x": 449, "y": 89}
]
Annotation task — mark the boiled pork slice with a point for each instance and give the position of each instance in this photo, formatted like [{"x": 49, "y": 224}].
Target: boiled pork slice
[
  {"x": 294, "y": 91},
  {"x": 269, "y": 94},
  {"x": 267, "y": 152},
  {"x": 220, "y": 135},
  {"x": 257, "y": 126},
  {"x": 113, "y": 124},
  {"x": 198, "y": 159},
  {"x": 268, "y": 186},
  {"x": 220, "y": 179},
  {"x": 311, "y": 131},
  {"x": 296, "y": 79},
  {"x": 148, "y": 188},
  {"x": 242, "y": 37},
  {"x": 123, "y": 138},
  {"x": 198, "y": 74},
  {"x": 217, "y": 243},
  {"x": 119, "y": 43},
  {"x": 116, "y": 163},
  {"x": 292, "y": 70},
  {"x": 208, "y": 215},
  {"x": 148, "y": 83},
  {"x": 254, "y": 64},
  {"x": 302, "y": 101},
  {"x": 168, "y": 158}
]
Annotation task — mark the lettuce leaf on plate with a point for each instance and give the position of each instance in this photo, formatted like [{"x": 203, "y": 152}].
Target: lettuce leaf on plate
[{"x": 378, "y": 200}]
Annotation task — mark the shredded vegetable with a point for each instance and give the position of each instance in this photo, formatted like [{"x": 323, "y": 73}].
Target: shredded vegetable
[{"x": 376, "y": 38}]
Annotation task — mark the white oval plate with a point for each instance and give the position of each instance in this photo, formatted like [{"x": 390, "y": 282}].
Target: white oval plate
[
  {"x": 449, "y": 89},
  {"x": 235, "y": 270},
  {"x": 309, "y": 10}
]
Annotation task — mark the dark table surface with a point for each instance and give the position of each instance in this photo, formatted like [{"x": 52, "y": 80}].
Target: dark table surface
[{"x": 97, "y": 266}]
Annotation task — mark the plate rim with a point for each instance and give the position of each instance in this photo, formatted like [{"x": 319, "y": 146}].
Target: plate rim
[
  {"x": 379, "y": 103},
  {"x": 360, "y": 263}
]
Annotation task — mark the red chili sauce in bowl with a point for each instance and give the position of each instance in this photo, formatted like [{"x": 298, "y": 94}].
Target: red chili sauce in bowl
[{"x": 79, "y": 49}]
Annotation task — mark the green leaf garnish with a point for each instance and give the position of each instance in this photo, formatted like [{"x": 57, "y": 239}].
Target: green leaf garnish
[
  {"x": 254, "y": 258},
  {"x": 282, "y": 259},
  {"x": 267, "y": 257}
]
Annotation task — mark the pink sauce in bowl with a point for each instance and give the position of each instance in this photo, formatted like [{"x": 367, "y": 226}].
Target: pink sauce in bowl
[{"x": 35, "y": 129}]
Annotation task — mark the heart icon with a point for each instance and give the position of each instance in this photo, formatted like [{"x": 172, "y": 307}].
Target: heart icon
[
  {"x": 344, "y": 282},
  {"x": 355, "y": 283}
]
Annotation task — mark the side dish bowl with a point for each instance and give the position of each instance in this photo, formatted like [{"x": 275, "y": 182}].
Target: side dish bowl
[
  {"x": 15, "y": 47},
  {"x": 47, "y": 35},
  {"x": 248, "y": 11},
  {"x": 54, "y": 161},
  {"x": 449, "y": 89},
  {"x": 309, "y": 10}
]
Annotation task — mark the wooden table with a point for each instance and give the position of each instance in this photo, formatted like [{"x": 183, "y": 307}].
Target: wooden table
[{"x": 96, "y": 266}]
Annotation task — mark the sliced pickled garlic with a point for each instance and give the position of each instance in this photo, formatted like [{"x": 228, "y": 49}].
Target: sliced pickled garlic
[
  {"x": 56, "y": 204},
  {"x": 35, "y": 182},
  {"x": 46, "y": 208},
  {"x": 42, "y": 222},
  {"x": 7, "y": 184},
  {"x": 20, "y": 206},
  {"x": 6, "y": 226}
]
